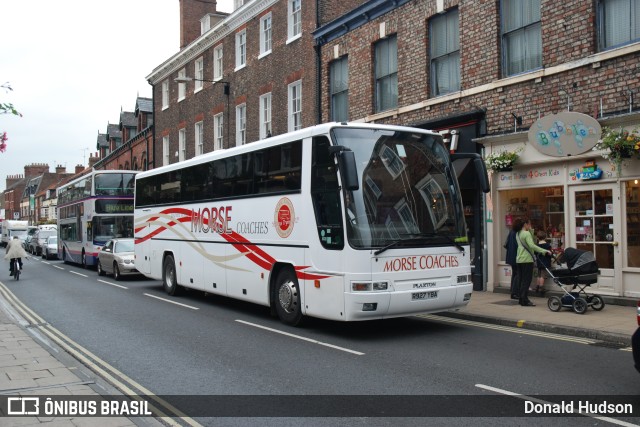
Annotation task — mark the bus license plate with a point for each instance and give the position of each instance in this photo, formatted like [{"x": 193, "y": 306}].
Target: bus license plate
[{"x": 424, "y": 295}]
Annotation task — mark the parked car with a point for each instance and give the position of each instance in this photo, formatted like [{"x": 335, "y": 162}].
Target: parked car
[
  {"x": 37, "y": 242},
  {"x": 31, "y": 231},
  {"x": 50, "y": 248},
  {"x": 635, "y": 342},
  {"x": 116, "y": 257}
]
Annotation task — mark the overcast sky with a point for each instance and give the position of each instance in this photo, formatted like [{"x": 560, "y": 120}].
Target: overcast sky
[{"x": 73, "y": 65}]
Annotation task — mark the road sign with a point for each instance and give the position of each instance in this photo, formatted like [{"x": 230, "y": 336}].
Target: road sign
[{"x": 16, "y": 215}]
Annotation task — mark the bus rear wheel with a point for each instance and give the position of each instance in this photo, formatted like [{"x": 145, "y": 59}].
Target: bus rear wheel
[
  {"x": 287, "y": 297},
  {"x": 169, "y": 278}
]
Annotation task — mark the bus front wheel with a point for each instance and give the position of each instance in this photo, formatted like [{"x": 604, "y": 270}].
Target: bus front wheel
[
  {"x": 287, "y": 297},
  {"x": 169, "y": 280}
]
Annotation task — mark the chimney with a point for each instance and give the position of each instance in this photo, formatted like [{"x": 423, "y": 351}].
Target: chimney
[
  {"x": 12, "y": 179},
  {"x": 60, "y": 170},
  {"x": 93, "y": 159},
  {"x": 191, "y": 11},
  {"x": 79, "y": 168},
  {"x": 35, "y": 169}
]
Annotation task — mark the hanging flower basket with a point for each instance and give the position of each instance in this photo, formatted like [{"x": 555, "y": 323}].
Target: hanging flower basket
[
  {"x": 618, "y": 145},
  {"x": 502, "y": 161}
]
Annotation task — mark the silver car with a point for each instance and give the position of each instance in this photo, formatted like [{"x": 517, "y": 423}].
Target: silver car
[
  {"x": 116, "y": 257},
  {"x": 50, "y": 248}
]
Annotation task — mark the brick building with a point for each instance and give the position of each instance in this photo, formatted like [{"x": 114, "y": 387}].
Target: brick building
[
  {"x": 491, "y": 70},
  {"x": 128, "y": 144},
  {"x": 245, "y": 76}
]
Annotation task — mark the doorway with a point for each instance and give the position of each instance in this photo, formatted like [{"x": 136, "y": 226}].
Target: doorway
[{"x": 595, "y": 227}]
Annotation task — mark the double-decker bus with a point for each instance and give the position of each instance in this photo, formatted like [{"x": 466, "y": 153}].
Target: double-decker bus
[
  {"x": 92, "y": 209},
  {"x": 337, "y": 221}
]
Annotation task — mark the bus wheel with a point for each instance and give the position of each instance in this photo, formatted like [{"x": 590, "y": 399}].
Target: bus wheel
[
  {"x": 169, "y": 280},
  {"x": 287, "y": 297}
]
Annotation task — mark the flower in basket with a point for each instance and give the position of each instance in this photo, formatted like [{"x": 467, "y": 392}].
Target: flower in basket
[
  {"x": 617, "y": 145},
  {"x": 501, "y": 161}
]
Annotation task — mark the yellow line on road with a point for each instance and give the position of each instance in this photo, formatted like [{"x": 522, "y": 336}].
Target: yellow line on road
[{"x": 85, "y": 356}]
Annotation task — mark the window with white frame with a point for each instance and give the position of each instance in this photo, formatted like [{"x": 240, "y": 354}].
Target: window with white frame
[
  {"x": 294, "y": 23},
  {"x": 618, "y": 22},
  {"x": 198, "y": 74},
  {"x": 218, "y": 131},
  {"x": 182, "y": 87},
  {"x": 265, "y": 34},
  {"x": 265, "y": 115},
  {"x": 217, "y": 62},
  {"x": 241, "y": 49},
  {"x": 199, "y": 138},
  {"x": 295, "y": 106},
  {"x": 237, "y": 4},
  {"x": 386, "y": 69},
  {"x": 165, "y": 151},
  {"x": 339, "y": 76},
  {"x": 407, "y": 217},
  {"x": 521, "y": 36},
  {"x": 165, "y": 94},
  {"x": 444, "y": 41},
  {"x": 205, "y": 24},
  {"x": 241, "y": 124},
  {"x": 182, "y": 145}
]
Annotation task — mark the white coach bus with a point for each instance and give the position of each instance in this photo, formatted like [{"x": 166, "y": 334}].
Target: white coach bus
[{"x": 336, "y": 221}]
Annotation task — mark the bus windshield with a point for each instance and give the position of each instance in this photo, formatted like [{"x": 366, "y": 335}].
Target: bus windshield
[
  {"x": 114, "y": 184},
  {"x": 408, "y": 193}
]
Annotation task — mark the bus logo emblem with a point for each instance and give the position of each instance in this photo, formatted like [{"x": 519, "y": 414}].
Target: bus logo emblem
[{"x": 284, "y": 217}]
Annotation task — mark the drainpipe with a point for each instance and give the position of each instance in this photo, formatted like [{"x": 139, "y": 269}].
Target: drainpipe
[
  {"x": 153, "y": 129},
  {"x": 318, "y": 48}
]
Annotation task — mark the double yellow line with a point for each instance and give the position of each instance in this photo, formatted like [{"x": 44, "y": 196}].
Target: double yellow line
[{"x": 110, "y": 374}]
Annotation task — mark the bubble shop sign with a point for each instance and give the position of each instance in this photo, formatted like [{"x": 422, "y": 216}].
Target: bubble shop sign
[{"x": 564, "y": 134}]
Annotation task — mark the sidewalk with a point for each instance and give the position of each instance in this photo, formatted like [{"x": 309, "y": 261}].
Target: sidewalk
[{"x": 614, "y": 324}]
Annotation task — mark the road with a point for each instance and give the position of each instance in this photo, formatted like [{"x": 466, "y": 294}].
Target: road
[{"x": 198, "y": 345}]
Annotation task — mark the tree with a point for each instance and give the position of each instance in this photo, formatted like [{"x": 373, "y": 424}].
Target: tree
[{"x": 6, "y": 108}]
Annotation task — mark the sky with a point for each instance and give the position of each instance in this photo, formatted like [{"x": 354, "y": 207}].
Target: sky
[{"x": 73, "y": 66}]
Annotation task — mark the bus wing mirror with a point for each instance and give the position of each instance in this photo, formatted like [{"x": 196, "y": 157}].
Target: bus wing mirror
[
  {"x": 348, "y": 170},
  {"x": 479, "y": 166}
]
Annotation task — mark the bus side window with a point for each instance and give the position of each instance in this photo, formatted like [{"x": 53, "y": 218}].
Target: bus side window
[{"x": 325, "y": 194}]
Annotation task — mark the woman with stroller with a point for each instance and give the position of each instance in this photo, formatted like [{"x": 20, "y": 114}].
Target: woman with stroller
[{"x": 524, "y": 258}]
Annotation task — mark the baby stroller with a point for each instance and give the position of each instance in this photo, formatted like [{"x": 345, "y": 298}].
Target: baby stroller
[{"x": 582, "y": 270}]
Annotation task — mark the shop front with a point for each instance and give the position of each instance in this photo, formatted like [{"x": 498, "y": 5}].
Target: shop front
[{"x": 580, "y": 201}]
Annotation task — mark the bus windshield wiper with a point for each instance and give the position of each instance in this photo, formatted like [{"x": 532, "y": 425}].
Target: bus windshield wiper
[{"x": 419, "y": 236}]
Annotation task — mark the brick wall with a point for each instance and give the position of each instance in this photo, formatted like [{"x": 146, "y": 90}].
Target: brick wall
[
  {"x": 272, "y": 73},
  {"x": 569, "y": 33}
]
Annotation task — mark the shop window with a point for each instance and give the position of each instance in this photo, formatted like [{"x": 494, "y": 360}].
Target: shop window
[
  {"x": 544, "y": 207},
  {"x": 633, "y": 223}
]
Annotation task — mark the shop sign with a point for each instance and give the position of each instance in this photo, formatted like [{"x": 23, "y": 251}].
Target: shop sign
[
  {"x": 534, "y": 176},
  {"x": 589, "y": 171},
  {"x": 564, "y": 134}
]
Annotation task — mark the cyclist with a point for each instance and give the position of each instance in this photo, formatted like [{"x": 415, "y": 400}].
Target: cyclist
[{"x": 15, "y": 250}]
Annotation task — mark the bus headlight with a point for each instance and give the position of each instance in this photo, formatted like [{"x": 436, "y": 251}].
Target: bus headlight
[
  {"x": 465, "y": 278},
  {"x": 369, "y": 286}
]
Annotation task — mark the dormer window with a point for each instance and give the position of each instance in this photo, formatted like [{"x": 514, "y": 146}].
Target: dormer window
[{"x": 237, "y": 4}]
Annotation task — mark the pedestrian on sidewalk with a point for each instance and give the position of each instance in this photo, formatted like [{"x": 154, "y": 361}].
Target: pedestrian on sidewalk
[
  {"x": 511, "y": 245},
  {"x": 524, "y": 258}
]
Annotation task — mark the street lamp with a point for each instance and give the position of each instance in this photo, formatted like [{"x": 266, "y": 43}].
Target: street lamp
[{"x": 185, "y": 79}]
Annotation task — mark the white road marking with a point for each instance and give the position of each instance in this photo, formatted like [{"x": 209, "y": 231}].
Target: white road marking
[
  {"x": 79, "y": 274},
  {"x": 58, "y": 267},
  {"x": 302, "y": 338},
  {"x": 172, "y": 302},
  {"x": 533, "y": 399},
  {"x": 112, "y": 284}
]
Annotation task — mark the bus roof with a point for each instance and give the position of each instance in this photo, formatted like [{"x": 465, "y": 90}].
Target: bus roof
[{"x": 320, "y": 129}]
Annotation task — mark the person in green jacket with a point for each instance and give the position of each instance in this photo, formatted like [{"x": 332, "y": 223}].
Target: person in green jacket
[{"x": 524, "y": 258}]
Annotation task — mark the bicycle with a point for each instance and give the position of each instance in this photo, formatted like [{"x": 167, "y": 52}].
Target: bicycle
[{"x": 16, "y": 269}]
